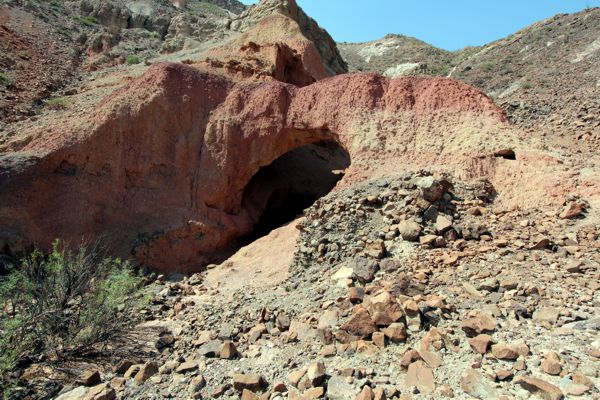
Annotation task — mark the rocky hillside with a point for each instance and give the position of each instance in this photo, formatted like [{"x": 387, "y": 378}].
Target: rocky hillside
[
  {"x": 545, "y": 76},
  {"x": 48, "y": 46},
  {"x": 397, "y": 55},
  {"x": 297, "y": 235}
]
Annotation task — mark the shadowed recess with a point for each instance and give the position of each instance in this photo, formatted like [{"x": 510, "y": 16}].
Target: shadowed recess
[{"x": 280, "y": 192}]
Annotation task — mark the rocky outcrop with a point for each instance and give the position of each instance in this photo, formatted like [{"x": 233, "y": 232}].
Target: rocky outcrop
[
  {"x": 309, "y": 27},
  {"x": 160, "y": 167},
  {"x": 274, "y": 47},
  {"x": 397, "y": 55}
]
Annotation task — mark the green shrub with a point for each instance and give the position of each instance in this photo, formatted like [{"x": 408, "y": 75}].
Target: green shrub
[
  {"x": 67, "y": 303},
  {"x": 131, "y": 60},
  {"x": 4, "y": 79},
  {"x": 210, "y": 8},
  {"x": 527, "y": 86},
  {"x": 88, "y": 20},
  {"x": 57, "y": 103}
]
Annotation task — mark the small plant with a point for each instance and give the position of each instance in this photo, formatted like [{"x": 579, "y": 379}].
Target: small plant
[
  {"x": 131, "y": 60},
  {"x": 527, "y": 85},
  {"x": 4, "y": 79},
  {"x": 88, "y": 20},
  {"x": 488, "y": 67},
  {"x": 210, "y": 7},
  {"x": 67, "y": 303},
  {"x": 57, "y": 103}
]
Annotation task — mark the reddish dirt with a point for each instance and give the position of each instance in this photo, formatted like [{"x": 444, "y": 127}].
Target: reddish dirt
[{"x": 36, "y": 60}]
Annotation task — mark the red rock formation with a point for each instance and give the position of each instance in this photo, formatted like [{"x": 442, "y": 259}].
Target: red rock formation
[{"x": 159, "y": 168}]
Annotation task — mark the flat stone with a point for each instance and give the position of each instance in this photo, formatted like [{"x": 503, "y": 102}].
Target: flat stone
[
  {"x": 314, "y": 393},
  {"x": 474, "y": 384},
  {"x": 428, "y": 240},
  {"x": 185, "y": 367},
  {"x": 342, "y": 274},
  {"x": 421, "y": 376},
  {"x": 210, "y": 349},
  {"x": 250, "y": 382},
  {"x": 76, "y": 394},
  {"x": 504, "y": 374},
  {"x": 571, "y": 388},
  {"x": 433, "y": 359},
  {"x": 338, "y": 388},
  {"x": 541, "y": 388},
  {"x": 295, "y": 377},
  {"x": 546, "y": 316},
  {"x": 443, "y": 224},
  {"x": 580, "y": 378},
  {"x": 481, "y": 323}
]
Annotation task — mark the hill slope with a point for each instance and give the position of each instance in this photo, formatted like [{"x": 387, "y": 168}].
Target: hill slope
[
  {"x": 546, "y": 76},
  {"x": 396, "y": 55}
]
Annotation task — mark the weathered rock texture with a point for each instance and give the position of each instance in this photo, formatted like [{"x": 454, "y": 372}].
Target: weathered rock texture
[
  {"x": 312, "y": 31},
  {"x": 160, "y": 168}
]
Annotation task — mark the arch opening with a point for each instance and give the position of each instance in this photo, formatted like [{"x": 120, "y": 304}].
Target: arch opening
[{"x": 282, "y": 190}]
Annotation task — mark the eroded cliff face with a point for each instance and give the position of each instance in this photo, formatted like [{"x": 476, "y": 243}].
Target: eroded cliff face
[
  {"x": 332, "y": 60},
  {"x": 164, "y": 169},
  {"x": 160, "y": 167}
]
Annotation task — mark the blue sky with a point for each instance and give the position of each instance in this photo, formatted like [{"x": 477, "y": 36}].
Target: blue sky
[{"x": 444, "y": 23}]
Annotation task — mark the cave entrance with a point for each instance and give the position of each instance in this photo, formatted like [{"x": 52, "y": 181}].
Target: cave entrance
[{"x": 282, "y": 190}]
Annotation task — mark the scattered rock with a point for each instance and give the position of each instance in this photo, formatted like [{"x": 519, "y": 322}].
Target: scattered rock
[
  {"x": 474, "y": 384},
  {"x": 551, "y": 364},
  {"x": 420, "y": 376},
  {"x": 146, "y": 371},
  {"x": 481, "y": 343},
  {"x": 503, "y": 351},
  {"x": 252, "y": 383},
  {"x": 543, "y": 389}
]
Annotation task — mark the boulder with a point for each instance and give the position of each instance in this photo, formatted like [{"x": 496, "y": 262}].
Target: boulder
[
  {"x": 410, "y": 230},
  {"x": 383, "y": 308}
]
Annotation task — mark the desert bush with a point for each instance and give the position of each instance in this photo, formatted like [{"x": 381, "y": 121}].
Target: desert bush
[
  {"x": 88, "y": 20},
  {"x": 4, "y": 79},
  {"x": 131, "y": 60},
  {"x": 65, "y": 304},
  {"x": 57, "y": 103}
]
